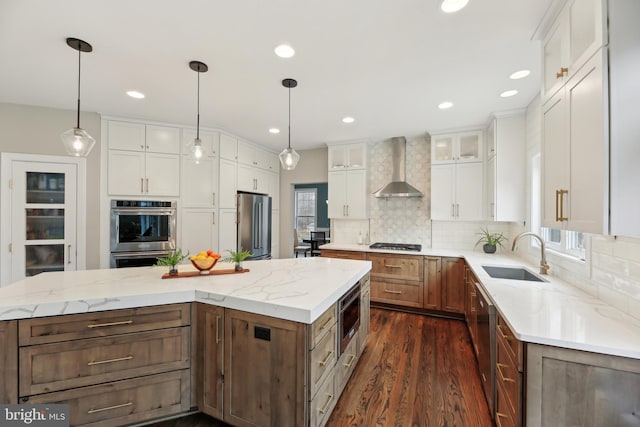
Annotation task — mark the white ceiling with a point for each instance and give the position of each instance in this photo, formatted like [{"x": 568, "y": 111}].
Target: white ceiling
[{"x": 388, "y": 63}]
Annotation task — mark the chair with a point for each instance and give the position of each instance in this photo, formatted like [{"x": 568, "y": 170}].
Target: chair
[
  {"x": 317, "y": 238},
  {"x": 297, "y": 247}
]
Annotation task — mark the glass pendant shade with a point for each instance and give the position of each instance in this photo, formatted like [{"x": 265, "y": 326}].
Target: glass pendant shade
[
  {"x": 77, "y": 142},
  {"x": 196, "y": 151},
  {"x": 289, "y": 158}
]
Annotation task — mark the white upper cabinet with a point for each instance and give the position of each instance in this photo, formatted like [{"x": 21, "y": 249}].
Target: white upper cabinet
[
  {"x": 254, "y": 156},
  {"x": 228, "y": 183},
  {"x": 228, "y": 147},
  {"x": 162, "y": 139},
  {"x": 575, "y": 36},
  {"x": 210, "y": 142},
  {"x": 347, "y": 156},
  {"x": 199, "y": 183},
  {"x": 459, "y": 147},
  {"x": 457, "y": 192},
  {"x": 126, "y": 136},
  {"x": 347, "y": 194}
]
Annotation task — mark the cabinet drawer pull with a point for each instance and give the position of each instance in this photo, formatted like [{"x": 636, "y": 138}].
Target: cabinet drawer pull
[
  {"x": 122, "y": 405},
  {"x": 498, "y": 416},
  {"x": 147, "y": 179},
  {"x": 326, "y": 405},
  {"x": 217, "y": 329},
  {"x": 101, "y": 325},
  {"x": 393, "y": 292},
  {"x": 117, "y": 359},
  {"x": 348, "y": 364},
  {"x": 326, "y": 359},
  {"x": 502, "y": 334},
  {"x": 324, "y": 325},
  {"x": 142, "y": 185},
  {"x": 392, "y": 266},
  {"x": 502, "y": 377}
]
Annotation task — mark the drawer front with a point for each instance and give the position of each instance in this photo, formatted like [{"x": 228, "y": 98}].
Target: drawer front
[
  {"x": 505, "y": 417},
  {"x": 397, "y": 267},
  {"x": 346, "y": 363},
  {"x": 514, "y": 346},
  {"x": 322, "y": 325},
  {"x": 508, "y": 375},
  {"x": 323, "y": 358},
  {"x": 59, "y": 366},
  {"x": 124, "y": 402},
  {"x": 329, "y": 253},
  {"x": 91, "y": 325},
  {"x": 324, "y": 401},
  {"x": 398, "y": 293}
]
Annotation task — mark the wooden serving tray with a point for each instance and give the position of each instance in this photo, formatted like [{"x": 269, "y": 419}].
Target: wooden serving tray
[{"x": 199, "y": 274}]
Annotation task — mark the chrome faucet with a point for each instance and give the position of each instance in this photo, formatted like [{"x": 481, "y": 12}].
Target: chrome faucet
[{"x": 544, "y": 267}]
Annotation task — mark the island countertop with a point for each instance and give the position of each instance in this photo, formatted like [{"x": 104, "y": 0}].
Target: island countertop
[{"x": 297, "y": 289}]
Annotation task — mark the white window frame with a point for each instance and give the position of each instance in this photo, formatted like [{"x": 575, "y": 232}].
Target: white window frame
[{"x": 304, "y": 234}]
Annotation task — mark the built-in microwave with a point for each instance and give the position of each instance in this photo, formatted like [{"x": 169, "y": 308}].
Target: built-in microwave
[
  {"x": 143, "y": 226},
  {"x": 348, "y": 316}
]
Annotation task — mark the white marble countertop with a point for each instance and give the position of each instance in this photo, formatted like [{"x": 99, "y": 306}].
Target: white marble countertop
[
  {"x": 297, "y": 289},
  {"x": 552, "y": 312}
]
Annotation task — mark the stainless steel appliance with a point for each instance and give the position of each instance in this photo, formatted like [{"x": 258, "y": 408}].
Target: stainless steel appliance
[
  {"x": 397, "y": 246},
  {"x": 348, "y": 316},
  {"x": 141, "y": 231},
  {"x": 486, "y": 321},
  {"x": 254, "y": 224},
  {"x": 398, "y": 187}
]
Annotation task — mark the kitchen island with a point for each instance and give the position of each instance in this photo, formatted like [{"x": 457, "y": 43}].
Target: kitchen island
[{"x": 259, "y": 348}]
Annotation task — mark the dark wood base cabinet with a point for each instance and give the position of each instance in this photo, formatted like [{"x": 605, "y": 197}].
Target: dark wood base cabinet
[{"x": 9, "y": 361}]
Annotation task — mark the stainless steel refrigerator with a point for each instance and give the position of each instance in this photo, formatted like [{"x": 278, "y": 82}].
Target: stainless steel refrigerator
[{"x": 254, "y": 225}]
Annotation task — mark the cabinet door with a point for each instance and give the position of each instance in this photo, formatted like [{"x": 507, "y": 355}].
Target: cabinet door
[
  {"x": 337, "y": 186},
  {"x": 210, "y": 142},
  {"x": 9, "y": 361},
  {"x": 357, "y": 194},
  {"x": 228, "y": 147},
  {"x": 199, "y": 183},
  {"x": 126, "y": 136},
  {"x": 585, "y": 31},
  {"x": 469, "y": 191},
  {"x": 491, "y": 188},
  {"x": 209, "y": 358},
  {"x": 264, "y": 361},
  {"x": 163, "y": 174},
  {"x": 126, "y": 173},
  {"x": 163, "y": 139},
  {"x": 555, "y": 56},
  {"x": 228, "y": 191},
  {"x": 273, "y": 190},
  {"x": 443, "y": 149},
  {"x": 227, "y": 227},
  {"x": 453, "y": 289},
  {"x": 247, "y": 154},
  {"x": 555, "y": 159},
  {"x": 275, "y": 234},
  {"x": 365, "y": 315},
  {"x": 247, "y": 180},
  {"x": 469, "y": 147},
  {"x": 43, "y": 218},
  {"x": 491, "y": 139},
  {"x": 589, "y": 149},
  {"x": 199, "y": 230},
  {"x": 443, "y": 180},
  {"x": 432, "y": 283}
]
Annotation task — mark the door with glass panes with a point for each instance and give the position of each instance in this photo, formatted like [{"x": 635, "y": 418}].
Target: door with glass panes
[{"x": 43, "y": 218}]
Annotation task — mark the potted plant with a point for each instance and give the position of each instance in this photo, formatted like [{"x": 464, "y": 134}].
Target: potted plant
[
  {"x": 490, "y": 241},
  {"x": 174, "y": 258},
  {"x": 237, "y": 257}
]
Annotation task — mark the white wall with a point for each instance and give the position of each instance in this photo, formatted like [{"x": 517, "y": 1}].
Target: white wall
[
  {"x": 36, "y": 130},
  {"x": 312, "y": 168}
]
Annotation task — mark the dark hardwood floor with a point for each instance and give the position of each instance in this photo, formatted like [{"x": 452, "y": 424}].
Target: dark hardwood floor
[{"x": 416, "y": 371}]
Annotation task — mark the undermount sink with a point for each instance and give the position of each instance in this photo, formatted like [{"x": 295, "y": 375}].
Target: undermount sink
[{"x": 513, "y": 273}]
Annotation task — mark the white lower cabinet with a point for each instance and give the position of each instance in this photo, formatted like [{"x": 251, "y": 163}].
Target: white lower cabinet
[
  {"x": 228, "y": 230},
  {"x": 199, "y": 230},
  {"x": 457, "y": 191},
  {"x": 348, "y": 194},
  {"x": 228, "y": 184}
]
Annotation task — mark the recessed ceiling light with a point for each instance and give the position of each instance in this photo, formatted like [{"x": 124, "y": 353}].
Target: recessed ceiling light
[
  {"x": 450, "y": 6},
  {"x": 274, "y": 130},
  {"x": 284, "y": 51},
  {"x": 445, "y": 105},
  {"x": 508, "y": 93},
  {"x": 135, "y": 94},
  {"x": 348, "y": 119},
  {"x": 520, "y": 74}
]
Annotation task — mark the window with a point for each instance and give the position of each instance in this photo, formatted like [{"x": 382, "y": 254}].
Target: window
[
  {"x": 305, "y": 211},
  {"x": 566, "y": 242}
]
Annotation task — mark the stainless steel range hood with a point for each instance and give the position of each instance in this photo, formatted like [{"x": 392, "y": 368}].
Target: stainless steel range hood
[{"x": 398, "y": 187}]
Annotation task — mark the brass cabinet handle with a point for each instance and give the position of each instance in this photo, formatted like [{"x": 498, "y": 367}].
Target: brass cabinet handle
[
  {"x": 122, "y": 405},
  {"x": 393, "y": 292},
  {"x": 217, "y": 329},
  {"x": 502, "y": 334},
  {"x": 562, "y": 193},
  {"x": 326, "y": 405},
  {"x": 498, "y": 416},
  {"x": 348, "y": 364},
  {"x": 326, "y": 359},
  {"x": 499, "y": 367},
  {"x": 102, "y": 325},
  {"x": 117, "y": 359},
  {"x": 392, "y": 266},
  {"x": 324, "y": 325},
  {"x": 564, "y": 70},
  {"x": 559, "y": 75}
]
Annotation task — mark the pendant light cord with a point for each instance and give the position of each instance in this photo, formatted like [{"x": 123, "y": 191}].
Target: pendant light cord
[
  {"x": 289, "y": 117},
  {"x": 78, "y": 114},
  {"x": 198, "y": 119}
]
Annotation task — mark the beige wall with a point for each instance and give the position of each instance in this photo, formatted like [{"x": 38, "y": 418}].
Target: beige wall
[
  {"x": 36, "y": 130},
  {"x": 312, "y": 168}
]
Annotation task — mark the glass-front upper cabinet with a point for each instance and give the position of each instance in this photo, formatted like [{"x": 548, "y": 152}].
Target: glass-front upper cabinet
[
  {"x": 347, "y": 156},
  {"x": 43, "y": 218},
  {"x": 456, "y": 148}
]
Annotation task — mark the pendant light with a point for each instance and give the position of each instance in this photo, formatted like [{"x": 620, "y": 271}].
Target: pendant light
[
  {"x": 289, "y": 158},
  {"x": 196, "y": 151},
  {"x": 77, "y": 141}
]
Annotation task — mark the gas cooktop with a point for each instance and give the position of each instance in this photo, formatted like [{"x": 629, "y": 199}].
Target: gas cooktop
[{"x": 396, "y": 246}]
